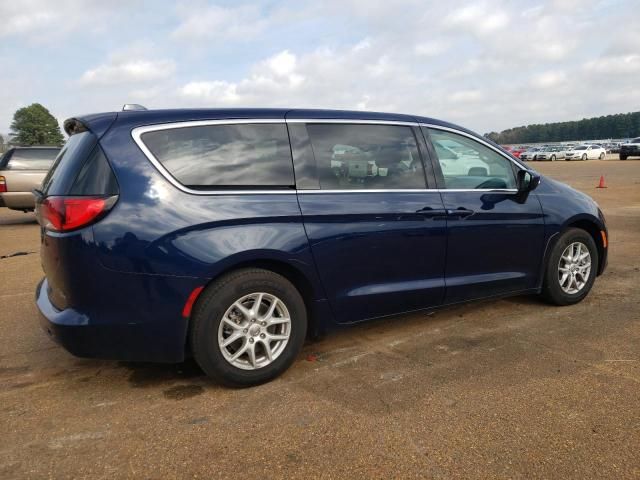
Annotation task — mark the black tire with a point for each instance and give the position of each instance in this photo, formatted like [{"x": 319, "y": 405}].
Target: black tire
[
  {"x": 553, "y": 158},
  {"x": 623, "y": 157},
  {"x": 584, "y": 157},
  {"x": 552, "y": 292},
  {"x": 210, "y": 309},
  {"x": 601, "y": 156}
]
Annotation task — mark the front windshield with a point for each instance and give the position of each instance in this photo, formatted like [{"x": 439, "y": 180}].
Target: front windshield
[{"x": 581, "y": 148}]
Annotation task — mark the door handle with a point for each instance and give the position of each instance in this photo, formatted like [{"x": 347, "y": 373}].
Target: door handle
[
  {"x": 435, "y": 213},
  {"x": 459, "y": 212}
]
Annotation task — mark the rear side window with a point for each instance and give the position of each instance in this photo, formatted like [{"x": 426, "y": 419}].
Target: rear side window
[
  {"x": 366, "y": 157},
  {"x": 32, "y": 159},
  {"x": 95, "y": 177},
  {"x": 225, "y": 156},
  {"x": 69, "y": 163}
]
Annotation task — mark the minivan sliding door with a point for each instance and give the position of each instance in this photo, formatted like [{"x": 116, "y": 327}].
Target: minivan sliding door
[{"x": 377, "y": 234}]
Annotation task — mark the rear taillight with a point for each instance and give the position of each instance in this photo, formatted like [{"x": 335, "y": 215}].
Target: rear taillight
[
  {"x": 3, "y": 184},
  {"x": 62, "y": 214}
]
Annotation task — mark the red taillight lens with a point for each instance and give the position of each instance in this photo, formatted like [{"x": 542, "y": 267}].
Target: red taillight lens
[
  {"x": 3, "y": 184},
  {"x": 63, "y": 213}
]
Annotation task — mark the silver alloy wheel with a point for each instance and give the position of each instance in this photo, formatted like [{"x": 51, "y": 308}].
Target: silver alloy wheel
[
  {"x": 574, "y": 268},
  {"x": 254, "y": 331}
]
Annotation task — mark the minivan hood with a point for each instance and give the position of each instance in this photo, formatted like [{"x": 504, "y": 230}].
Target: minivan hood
[{"x": 549, "y": 185}]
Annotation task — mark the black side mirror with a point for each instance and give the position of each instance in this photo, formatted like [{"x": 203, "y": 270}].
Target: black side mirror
[{"x": 527, "y": 181}]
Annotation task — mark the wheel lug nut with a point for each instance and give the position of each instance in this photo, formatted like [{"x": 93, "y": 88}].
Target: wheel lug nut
[
  {"x": 264, "y": 324},
  {"x": 262, "y": 335},
  {"x": 251, "y": 340},
  {"x": 245, "y": 330}
]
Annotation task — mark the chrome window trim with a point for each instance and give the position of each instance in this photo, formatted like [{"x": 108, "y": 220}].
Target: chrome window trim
[
  {"x": 137, "y": 133},
  {"x": 347, "y": 121},
  {"x": 422, "y": 190}
]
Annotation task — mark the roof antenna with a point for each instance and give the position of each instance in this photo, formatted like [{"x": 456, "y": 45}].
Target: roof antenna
[{"x": 128, "y": 107}]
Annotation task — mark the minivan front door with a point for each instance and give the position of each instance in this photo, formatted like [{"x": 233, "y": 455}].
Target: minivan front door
[
  {"x": 377, "y": 235},
  {"x": 495, "y": 236}
]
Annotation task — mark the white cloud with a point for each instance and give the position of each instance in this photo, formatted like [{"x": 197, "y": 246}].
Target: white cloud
[
  {"x": 466, "y": 96},
  {"x": 550, "y": 79},
  {"x": 488, "y": 65},
  {"x": 431, "y": 48},
  {"x": 217, "y": 91},
  {"x": 230, "y": 23},
  {"x": 41, "y": 21},
  {"x": 618, "y": 64},
  {"x": 128, "y": 71},
  {"x": 478, "y": 18}
]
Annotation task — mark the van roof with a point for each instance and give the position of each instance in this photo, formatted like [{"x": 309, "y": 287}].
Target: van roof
[{"x": 100, "y": 123}]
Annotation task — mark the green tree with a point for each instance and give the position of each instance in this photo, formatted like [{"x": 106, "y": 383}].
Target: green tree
[{"x": 34, "y": 125}]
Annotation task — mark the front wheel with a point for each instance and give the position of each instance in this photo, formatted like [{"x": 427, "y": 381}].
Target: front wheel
[
  {"x": 601, "y": 156},
  {"x": 571, "y": 268},
  {"x": 553, "y": 158},
  {"x": 623, "y": 157},
  {"x": 584, "y": 157},
  {"x": 248, "y": 327}
]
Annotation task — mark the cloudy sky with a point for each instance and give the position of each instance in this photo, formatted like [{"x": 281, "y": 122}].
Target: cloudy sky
[{"x": 487, "y": 64}]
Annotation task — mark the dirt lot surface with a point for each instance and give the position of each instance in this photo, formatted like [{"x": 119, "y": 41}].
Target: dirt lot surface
[{"x": 511, "y": 388}]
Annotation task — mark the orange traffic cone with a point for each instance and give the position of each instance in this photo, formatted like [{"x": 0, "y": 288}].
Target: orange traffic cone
[{"x": 601, "y": 184}]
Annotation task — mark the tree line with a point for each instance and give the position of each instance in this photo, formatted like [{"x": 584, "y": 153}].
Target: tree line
[{"x": 621, "y": 125}]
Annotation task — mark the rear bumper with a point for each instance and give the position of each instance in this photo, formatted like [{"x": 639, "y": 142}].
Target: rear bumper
[
  {"x": 18, "y": 200},
  {"x": 76, "y": 332}
]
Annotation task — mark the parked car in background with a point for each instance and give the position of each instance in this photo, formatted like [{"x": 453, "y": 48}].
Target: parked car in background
[
  {"x": 630, "y": 149},
  {"x": 552, "y": 153},
  {"x": 586, "y": 152},
  {"x": 517, "y": 151},
  {"x": 616, "y": 147},
  {"x": 21, "y": 170},
  {"x": 608, "y": 147},
  {"x": 531, "y": 153},
  {"x": 228, "y": 234}
]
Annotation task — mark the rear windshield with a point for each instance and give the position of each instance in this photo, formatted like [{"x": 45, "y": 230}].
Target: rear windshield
[
  {"x": 32, "y": 158},
  {"x": 225, "y": 156}
]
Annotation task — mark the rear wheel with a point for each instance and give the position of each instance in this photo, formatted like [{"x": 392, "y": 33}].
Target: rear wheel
[
  {"x": 571, "y": 268},
  {"x": 553, "y": 158},
  {"x": 248, "y": 327},
  {"x": 623, "y": 157},
  {"x": 602, "y": 156},
  {"x": 584, "y": 157}
]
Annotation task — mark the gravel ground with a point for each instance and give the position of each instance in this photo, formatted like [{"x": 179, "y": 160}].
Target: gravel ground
[{"x": 510, "y": 388}]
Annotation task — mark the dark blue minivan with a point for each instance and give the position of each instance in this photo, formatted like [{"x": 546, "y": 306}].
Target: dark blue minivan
[{"x": 230, "y": 234}]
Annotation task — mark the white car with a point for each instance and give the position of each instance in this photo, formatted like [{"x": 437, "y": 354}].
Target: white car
[
  {"x": 530, "y": 154},
  {"x": 586, "y": 152}
]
